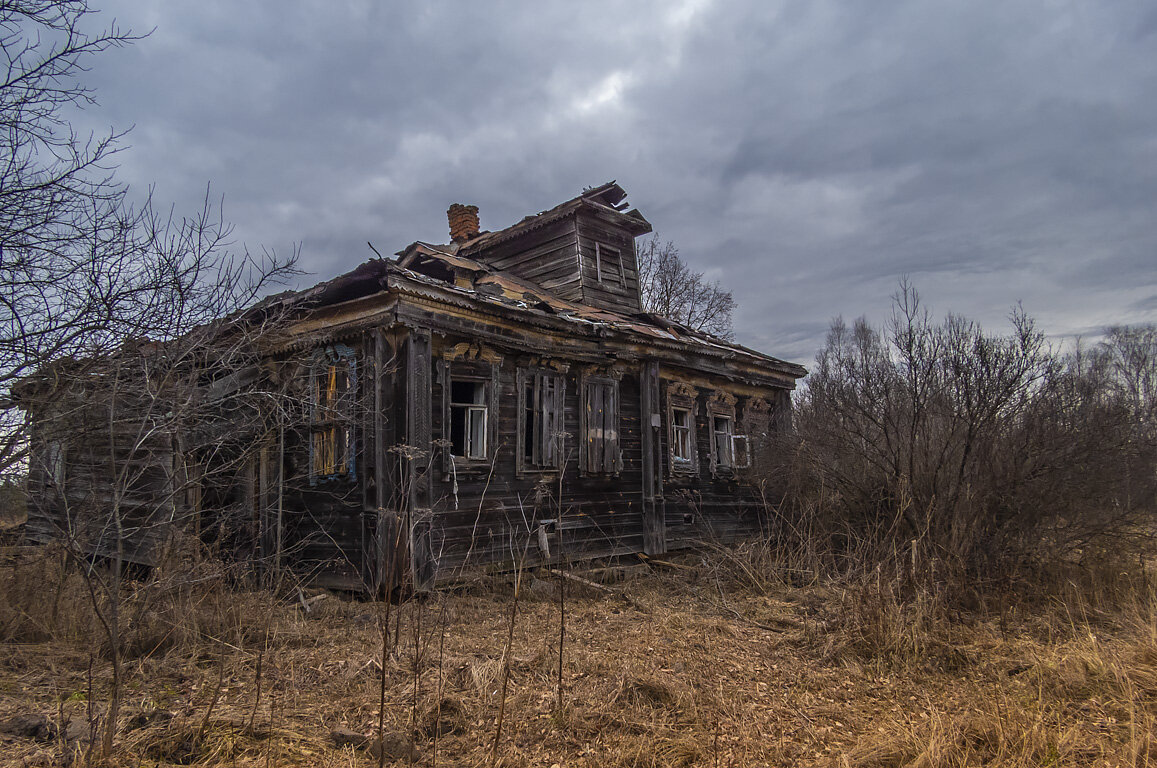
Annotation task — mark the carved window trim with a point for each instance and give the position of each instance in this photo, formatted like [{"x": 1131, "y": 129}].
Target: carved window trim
[{"x": 730, "y": 451}]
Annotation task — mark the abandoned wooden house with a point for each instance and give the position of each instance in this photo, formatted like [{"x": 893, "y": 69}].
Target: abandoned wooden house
[{"x": 498, "y": 399}]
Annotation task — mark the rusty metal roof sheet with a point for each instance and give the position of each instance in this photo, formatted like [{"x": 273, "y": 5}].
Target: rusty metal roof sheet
[
  {"x": 486, "y": 286},
  {"x": 504, "y": 289}
]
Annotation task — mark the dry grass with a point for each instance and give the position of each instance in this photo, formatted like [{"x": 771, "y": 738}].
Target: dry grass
[{"x": 717, "y": 664}]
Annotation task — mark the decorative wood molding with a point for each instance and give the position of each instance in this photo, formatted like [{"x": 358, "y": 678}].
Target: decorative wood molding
[
  {"x": 471, "y": 351},
  {"x": 546, "y": 363},
  {"x": 758, "y": 405},
  {"x": 723, "y": 400},
  {"x": 679, "y": 389},
  {"x": 609, "y": 371}
]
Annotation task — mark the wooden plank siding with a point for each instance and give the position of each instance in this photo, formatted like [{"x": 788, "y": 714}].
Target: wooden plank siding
[
  {"x": 463, "y": 517},
  {"x": 546, "y": 256},
  {"x": 360, "y": 491},
  {"x": 488, "y": 513},
  {"x": 607, "y": 288},
  {"x": 722, "y": 505}
]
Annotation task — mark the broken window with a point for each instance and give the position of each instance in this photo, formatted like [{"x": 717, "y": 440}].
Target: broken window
[
  {"x": 728, "y": 450},
  {"x": 600, "y": 410},
  {"x": 541, "y": 431},
  {"x": 468, "y": 418},
  {"x": 332, "y": 387},
  {"x": 740, "y": 453},
  {"x": 608, "y": 264},
  {"x": 682, "y": 435}
]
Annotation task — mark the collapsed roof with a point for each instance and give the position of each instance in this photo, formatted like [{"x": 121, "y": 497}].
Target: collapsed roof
[{"x": 450, "y": 273}]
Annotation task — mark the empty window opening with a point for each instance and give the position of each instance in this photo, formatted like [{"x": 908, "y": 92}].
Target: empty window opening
[
  {"x": 468, "y": 414},
  {"x": 54, "y": 462},
  {"x": 740, "y": 453}
]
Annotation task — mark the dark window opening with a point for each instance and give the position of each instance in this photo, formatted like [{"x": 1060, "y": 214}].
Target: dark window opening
[
  {"x": 468, "y": 416},
  {"x": 740, "y": 453}
]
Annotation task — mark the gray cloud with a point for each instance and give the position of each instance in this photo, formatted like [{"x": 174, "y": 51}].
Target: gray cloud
[{"x": 806, "y": 155}]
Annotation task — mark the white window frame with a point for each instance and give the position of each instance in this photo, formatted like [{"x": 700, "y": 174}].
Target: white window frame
[
  {"x": 728, "y": 434},
  {"x": 682, "y": 435},
  {"x": 471, "y": 452},
  {"x": 737, "y": 453}
]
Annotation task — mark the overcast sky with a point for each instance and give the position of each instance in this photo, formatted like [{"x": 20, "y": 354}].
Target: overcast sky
[{"x": 805, "y": 154}]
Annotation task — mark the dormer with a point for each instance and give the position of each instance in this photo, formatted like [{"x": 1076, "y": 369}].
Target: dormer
[{"x": 582, "y": 251}]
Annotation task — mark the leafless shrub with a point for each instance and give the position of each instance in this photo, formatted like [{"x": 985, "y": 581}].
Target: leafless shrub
[{"x": 941, "y": 454}]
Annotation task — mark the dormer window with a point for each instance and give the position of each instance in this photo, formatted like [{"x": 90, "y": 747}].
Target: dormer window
[{"x": 608, "y": 264}]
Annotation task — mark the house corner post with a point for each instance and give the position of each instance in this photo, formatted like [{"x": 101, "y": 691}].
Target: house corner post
[
  {"x": 419, "y": 369},
  {"x": 654, "y": 530}
]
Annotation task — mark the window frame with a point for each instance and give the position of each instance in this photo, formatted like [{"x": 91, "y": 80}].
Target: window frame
[
  {"x": 338, "y": 413},
  {"x": 463, "y": 362},
  {"x": 682, "y": 435},
  {"x": 728, "y": 434},
  {"x": 615, "y": 467},
  {"x": 536, "y": 377},
  {"x": 722, "y": 406},
  {"x": 681, "y": 397},
  {"x": 600, "y": 251},
  {"x": 483, "y": 407}
]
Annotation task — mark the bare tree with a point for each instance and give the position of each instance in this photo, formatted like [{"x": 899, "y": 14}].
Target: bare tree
[
  {"x": 110, "y": 343},
  {"x": 978, "y": 450},
  {"x": 1132, "y": 357},
  {"x": 675, "y": 291},
  {"x": 81, "y": 268}
]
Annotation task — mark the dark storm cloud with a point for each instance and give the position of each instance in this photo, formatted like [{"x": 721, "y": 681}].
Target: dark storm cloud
[{"x": 805, "y": 154}]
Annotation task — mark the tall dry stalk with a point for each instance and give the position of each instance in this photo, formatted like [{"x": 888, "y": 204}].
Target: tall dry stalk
[
  {"x": 561, "y": 437},
  {"x": 506, "y": 658},
  {"x": 418, "y": 606},
  {"x": 441, "y": 680}
]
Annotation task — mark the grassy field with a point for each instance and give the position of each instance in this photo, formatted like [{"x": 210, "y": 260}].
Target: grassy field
[{"x": 709, "y": 661}]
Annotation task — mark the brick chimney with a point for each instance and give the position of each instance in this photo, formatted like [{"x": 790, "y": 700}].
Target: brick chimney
[{"x": 463, "y": 221}]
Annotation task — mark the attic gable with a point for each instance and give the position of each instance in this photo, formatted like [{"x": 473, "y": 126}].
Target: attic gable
[{"x": 582, "y": 250}]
